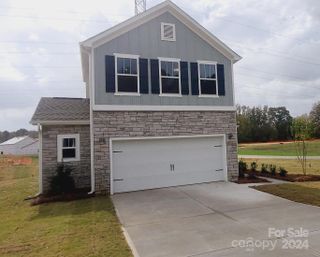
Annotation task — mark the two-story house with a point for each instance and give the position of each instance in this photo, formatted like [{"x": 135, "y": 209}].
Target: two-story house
[{"x": 159, "y": 108}]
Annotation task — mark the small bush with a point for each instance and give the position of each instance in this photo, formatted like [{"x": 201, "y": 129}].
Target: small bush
[
  {"x": 254, "y": 166},
  {"x": 283, "y": 172},
  {"x": 62, "y": 182},
  {"x": 264, "y": 168},
  {"x": 273, "y": 169},
  {"x": 242, "y": 168},
  {"x": 252, "y": 175}
]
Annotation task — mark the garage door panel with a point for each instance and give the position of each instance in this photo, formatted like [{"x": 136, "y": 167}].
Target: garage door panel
[
  {"x": 163, "y": 180},
  {"x": 155, "y": 163}
]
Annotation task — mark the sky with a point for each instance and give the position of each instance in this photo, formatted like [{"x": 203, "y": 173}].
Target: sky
[{"x": 278, "y": 40}]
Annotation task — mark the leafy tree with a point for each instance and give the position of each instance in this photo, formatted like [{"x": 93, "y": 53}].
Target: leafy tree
[
  {"x": 21, "y": 132},
  {"x": 6, "y": 135},
  {"x": 281, "y": 120},
  {"x": 315, "y": 119},
  {"x": 263, "y": 123},
  {"x": 302, "y": 131}
]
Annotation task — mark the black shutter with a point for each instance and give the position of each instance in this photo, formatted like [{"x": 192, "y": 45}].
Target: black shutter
[
  {"x": 155, "y": 88},
  {"x": 143, "y": 70},
  {"x": 184, "y": 78},
  {"x": 194, "y": 78},
  {"x": 221, "y": 86},
  {"x": 110, "y": 73}
]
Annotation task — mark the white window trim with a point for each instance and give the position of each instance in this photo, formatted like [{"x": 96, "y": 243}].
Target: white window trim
[
  {"x": 216, "y": 79},
  {"x": 163, "y": 38},
  {"x": 160, "y": 76},
  {"x": 131, "y": 56},
  {"x": 60, "y": 147}
]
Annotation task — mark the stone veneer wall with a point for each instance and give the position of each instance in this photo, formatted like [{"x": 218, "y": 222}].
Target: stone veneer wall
[
  {"x": 81, "y": 171},
  {"x": 108, "y": 124}
]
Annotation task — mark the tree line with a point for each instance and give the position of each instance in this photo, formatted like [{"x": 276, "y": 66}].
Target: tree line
[
  {"x": 263, "y": 124},
  {"x": 6, "y": 135}
]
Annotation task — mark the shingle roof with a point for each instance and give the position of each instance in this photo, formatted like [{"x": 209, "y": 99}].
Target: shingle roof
[{"x": 61, "y": 109}]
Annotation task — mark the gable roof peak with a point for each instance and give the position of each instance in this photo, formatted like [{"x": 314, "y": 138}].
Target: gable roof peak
[{"x": 149, "y": 14}]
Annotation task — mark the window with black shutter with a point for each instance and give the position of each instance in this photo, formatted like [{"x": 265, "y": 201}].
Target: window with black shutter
[
  {"x": 208, "y": 85},
  {"x": 170, "y": 76},
  {"x": 127, "y": 74}
]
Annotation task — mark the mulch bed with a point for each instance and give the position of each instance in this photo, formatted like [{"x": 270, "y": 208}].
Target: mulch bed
[
  {"x": 290, "y": 177},
  {"x": 247, "y": 180},
  {"x": 79, "y": 194}
]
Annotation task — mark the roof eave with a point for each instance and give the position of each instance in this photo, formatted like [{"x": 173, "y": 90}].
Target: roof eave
[
  {"x": 144, "y": 17},
  {"x": 59, "y": 122}
]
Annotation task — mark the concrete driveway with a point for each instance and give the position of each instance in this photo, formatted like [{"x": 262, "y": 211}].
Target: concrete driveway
[{"x": 205, "y": 220}]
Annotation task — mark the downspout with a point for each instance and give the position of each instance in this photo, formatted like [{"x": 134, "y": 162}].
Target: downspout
[
  {"x": 91, "y": 99},
  {"x": 92, "y": 152},
  {"x": 40, "y": 160}
]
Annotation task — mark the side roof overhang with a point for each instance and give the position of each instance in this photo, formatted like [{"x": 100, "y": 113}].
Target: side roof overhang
[
  {"x": 135, "y": 21},
  {"x": 62, "y": 111}
]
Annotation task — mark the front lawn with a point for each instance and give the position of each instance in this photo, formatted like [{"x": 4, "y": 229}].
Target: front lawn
[
  {"x": 298, "y": 192},
  {"x": 86, "y": 227},
  {"x": 277, "y": 149},
  {"x": 292, "y": 166}
]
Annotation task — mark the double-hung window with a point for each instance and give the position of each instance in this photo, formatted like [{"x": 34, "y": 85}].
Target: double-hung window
[
  {"x": 169, "y": 76},
  {"x": 68, "y": 147},
  {"x": 208, "y": 85},
  {"x": 127, "y": 74}
]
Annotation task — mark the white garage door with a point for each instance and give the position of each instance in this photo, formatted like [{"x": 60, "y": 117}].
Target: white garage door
[{"x": 155, "y": 163}]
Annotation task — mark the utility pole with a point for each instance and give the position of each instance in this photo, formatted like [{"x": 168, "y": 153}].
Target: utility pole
[{"x": 140, "y": 6}]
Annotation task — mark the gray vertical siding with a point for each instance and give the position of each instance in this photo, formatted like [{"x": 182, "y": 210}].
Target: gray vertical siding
[{"x": 145, "y": 41}]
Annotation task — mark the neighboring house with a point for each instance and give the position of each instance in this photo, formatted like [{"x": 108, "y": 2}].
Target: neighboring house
[
  {"x": 24, "y": 145},
  {"x": 159, "y": 108}
]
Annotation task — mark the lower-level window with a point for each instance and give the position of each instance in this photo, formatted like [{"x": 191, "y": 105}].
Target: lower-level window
[{"x": 68, "y": 147}]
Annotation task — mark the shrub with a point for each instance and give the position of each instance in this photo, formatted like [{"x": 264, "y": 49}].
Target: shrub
[
  {"x": 264, "y": 168},
  {"x": 254, "y": 166},
  {"x": 283, "y": 172},
  {"x": 62, "y": 182},
  {"x": 273, "y": 169},
  {"x": 242, "y": 168},
  {"x": 251, "y": 175}
]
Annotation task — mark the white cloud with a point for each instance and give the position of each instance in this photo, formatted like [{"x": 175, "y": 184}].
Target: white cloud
[{"x": 9, "y": 72}]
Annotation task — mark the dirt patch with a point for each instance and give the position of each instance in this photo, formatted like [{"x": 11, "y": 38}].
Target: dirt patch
[
  {"x": 248, "y": 180},
  {"x": 14, "y": 248},
  {"x": 10, "y": 160},
  {"x": 290, "y": 177},
  {"x": 79, "y": 194}
]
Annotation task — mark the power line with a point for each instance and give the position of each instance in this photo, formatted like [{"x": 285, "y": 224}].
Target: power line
[
  {"x": 270, "y": 73},
  {"x": 276, "y": 94},
  {"x": 39, "y": 53},
  {"x": 278, "y": 54},
  {"x": 56, "y": 10},
  {"x": 50, "y": 18},
  {"x": 37, "y": 42},
  {"x": 45, "y": 67},
  {"x": 265, "y": 78}
]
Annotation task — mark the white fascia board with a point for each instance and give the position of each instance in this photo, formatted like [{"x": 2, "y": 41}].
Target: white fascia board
[
  {"x": 85, "y": 55},
  {"x": 153, "y": 12},
  {"x": 60, "y": 122},
  {"x": 161, "y": 108}
]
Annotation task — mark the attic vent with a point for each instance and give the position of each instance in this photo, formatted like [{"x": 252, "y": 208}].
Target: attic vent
[{"x": 168, "y": 32}]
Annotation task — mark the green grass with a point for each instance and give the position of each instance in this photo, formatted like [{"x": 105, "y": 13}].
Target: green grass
[
  {"x": 277, "y": 149},
  {"x": 298, "y": 192},
  {"x": 292, "y": 166},
  {"x": 86, "y": 227}
]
